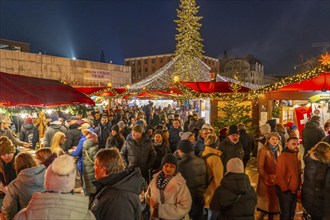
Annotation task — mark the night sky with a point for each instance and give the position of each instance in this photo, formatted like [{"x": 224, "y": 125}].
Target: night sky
[{"x": 278, "y": 32}]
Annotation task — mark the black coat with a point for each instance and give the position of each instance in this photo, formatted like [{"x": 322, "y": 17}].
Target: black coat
[
  {"x": 140, "y": 155},
  {"x": 73, "y": 136},
  {"x": 161, "y": 151},
  {"x": 311, "y": 135},
  {"x": 194, "y": 170},
  {"x": 315, "y": 192},
  {"x": 115, "y": 141},
  {"x": 247, "y": 143},
  {"x": 103, "y": 132},
  {"x": 117, "y": 196},
  {"x": 232, "y": 185},
  {"x": 230, "y": 150}
]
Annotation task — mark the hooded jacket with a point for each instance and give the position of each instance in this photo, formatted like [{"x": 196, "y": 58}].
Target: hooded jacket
[
  {"x": 20, "y": 190},
  {"x": 56, "y": 206},
  {"x": 232, "y": 185},
  {"x": 117, "y": 196},
  {"x": 311, "y": 135}
]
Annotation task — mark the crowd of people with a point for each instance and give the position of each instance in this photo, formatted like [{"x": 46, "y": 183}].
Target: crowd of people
[{"x": 160, "y": 163}]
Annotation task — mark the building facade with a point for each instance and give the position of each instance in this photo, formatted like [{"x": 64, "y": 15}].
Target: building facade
[
  {"x": 248, "y": 69},
  {"x": 74, "y": 72},
  {"x": 142, "y": 67},
  {"x": 14, "y": 45}
]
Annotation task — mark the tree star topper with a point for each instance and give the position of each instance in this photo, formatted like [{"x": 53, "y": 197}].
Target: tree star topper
[{"x": 325, "y": 59}]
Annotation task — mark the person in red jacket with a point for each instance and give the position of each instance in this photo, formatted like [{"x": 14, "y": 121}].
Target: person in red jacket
[{"x": 288, "y": 178}]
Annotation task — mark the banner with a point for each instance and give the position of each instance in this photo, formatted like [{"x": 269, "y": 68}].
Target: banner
[{"x": 302, "y": 115}]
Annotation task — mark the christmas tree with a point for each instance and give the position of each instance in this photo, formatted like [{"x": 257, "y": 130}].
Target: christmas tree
[
  {"x": 189, "y": 41},
  {"x": 234, "y": 111}
]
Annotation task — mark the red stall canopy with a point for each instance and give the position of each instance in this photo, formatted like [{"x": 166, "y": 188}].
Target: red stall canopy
[
  {"x": 18, "y": 90},
  {"x": 212, "y": 87},
  {"x": 318, "y": 83}
]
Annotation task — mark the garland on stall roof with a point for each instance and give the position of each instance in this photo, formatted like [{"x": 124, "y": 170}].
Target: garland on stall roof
[
  {"x": 291, "y": 79},
  {"x": 104, "y": 91}
]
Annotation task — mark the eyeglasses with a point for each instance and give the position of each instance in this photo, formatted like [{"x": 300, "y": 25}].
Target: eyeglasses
[{"x": 205, "y": 133}]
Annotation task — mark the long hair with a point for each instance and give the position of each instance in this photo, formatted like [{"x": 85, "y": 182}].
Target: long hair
[
  {"x": 321, "y": 151},
  {"x": 23, "y": 161},
  {"x": 274, "y": 134},
  {"x": 55, "y": 144}
]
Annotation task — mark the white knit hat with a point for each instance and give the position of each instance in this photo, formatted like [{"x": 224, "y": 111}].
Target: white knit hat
[
  {"x": 61, "y": 175},
  {"x": 235, "y": 165}
]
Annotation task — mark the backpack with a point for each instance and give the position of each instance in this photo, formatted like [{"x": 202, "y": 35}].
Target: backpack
[{"x": 208, "y": 178}]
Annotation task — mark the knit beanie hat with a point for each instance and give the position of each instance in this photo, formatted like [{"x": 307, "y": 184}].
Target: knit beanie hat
[
  {"x": 6, "y": 146},
  {"x": 61, "y": 175},
  {"x": 115, "y": 128},
  {"x": 137, "y": 128},
  {"x": 121, "y": 124},
  {"x": 233, "y": 130},
  {"x": 28, "y": 120},
  {"x": 169, "y": 158},
  {"x": 235, "y": 165},
  {"x": 185, "y": 146},
  {"x": 185, "y": 135}
]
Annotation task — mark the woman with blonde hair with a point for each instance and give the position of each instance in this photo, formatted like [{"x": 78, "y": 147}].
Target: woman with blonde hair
[
  {"x": 45, "y": 156},
  {"x": 57, "y": 143},
  {"x": 315, "y": 192},
  {"x": 30, "y": 179},
  {"x": 266, "y": 162}
]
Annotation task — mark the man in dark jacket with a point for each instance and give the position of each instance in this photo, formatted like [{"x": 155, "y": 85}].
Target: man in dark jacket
[
  {"x": 193, "y": 169},
  {"x": 73, "y": 137},
  {"x": 247, "y": 142},
  {"x": 312, "y": 133},
  {"x": 199, "y": 143},
  {"x": 174, "y": 134},
  {"x": 231, "y": 147},
  {"x": 138, "y": 151},
  {"x": 235, "y": 198},
  {"x": 117, "y": 189},
  {"x": 103, "y": 131}
]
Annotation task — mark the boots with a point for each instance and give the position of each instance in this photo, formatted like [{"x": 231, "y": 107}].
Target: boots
[{"x": 260, "y": 215}]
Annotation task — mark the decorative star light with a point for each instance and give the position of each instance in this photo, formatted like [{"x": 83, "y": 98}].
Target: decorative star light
[{"x": 325, "y": 59}]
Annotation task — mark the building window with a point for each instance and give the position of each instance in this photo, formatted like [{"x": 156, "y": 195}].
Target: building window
[
  {"x": 145, "y": 61},
  {"x": 152, "y": 60},
  {"x": 161, "y": 60},
  {"x": 146, "y": 70},
  {"x": 133, "y": 62},
  {"x": 139, "y": 62},
  {"x": 139, "y": 70}
]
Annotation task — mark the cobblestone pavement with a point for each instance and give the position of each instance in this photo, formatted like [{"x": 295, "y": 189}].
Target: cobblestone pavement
[{"x": 251, "y": 171}]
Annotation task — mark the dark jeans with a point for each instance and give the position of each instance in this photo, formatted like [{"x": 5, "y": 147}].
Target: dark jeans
[{"x": 288, "y": 202}]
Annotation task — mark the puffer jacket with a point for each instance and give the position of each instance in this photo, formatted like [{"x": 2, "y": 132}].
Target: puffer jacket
[
  {"x": 315, "y": 191},
  {"x": 177, "y": 198},
  {"x": 232, "y": 185},
  {"x": 311, "y": 135},
  {"x": 50, "y": 132},
  {"x": 90, "y": 149},
  {"x": 73, "y": 137},
  {"x": 174, "y": 138},
  {"x": 117, "y": 196},
  {"x": 115, "y": 141},
  {"x": 20, "y": 190},
  {"x": 194, "y": 171},
  {"x": 26, "y": 133},
  {"x": 140, "y": 154},
  {"x": 54, "y": 206}
]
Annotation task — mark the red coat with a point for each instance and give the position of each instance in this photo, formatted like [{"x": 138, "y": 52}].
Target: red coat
[{"x": 288, "y": 171}]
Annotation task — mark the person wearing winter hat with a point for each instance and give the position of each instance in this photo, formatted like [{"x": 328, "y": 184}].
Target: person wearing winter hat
[
  {"x": 168, "y": 195},
  {"x": 55, "y": 126},
  {"x": 234, "y": 198},
  {"x": 138, "y": 151},
  {"x": 7, "y": 168},
  {"x": 194, "y": 171},
  {"x": 58, "y": 202},
  {"x": 115, "y": 138},
  {"x": 123, "y": 129},
  {"x": 187, "y": 136},
  {"x": 231, "y": 147}
]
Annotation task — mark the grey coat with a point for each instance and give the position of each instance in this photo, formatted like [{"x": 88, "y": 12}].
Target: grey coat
[{"x": 20, "y": 190}]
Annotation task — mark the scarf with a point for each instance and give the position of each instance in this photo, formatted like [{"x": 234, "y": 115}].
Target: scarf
[
  {"x": 274, "y": 150},
  {"x": 162, "y": 181}
]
